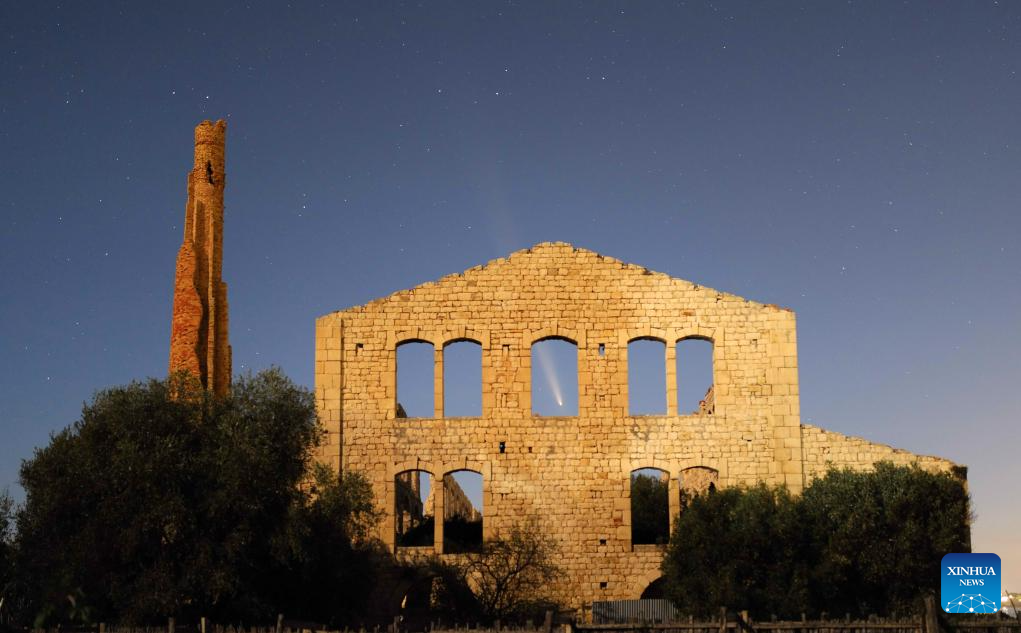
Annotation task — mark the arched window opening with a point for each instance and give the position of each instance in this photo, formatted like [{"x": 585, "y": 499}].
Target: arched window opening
[
  {"x": 416, "y": 366},
  {"x": 697, "y": 481},
  {"x": 695, "y": 393},
  {"x": 413, "y": 509},
  {"x": 650, "y": 506},
  {"x": 462, "y": 511},
  {"x": 462, "y": 379},
  {"x": 554, "y": 377},
  {"x": 646, "y": 377}
]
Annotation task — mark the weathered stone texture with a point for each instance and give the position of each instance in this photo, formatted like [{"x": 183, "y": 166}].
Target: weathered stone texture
[
  {"x": 696, "y": 481},
  {"x": 199, "y": 341},
  {"x": 571, "y": 473},
  {"x": 824, "y": 449}
]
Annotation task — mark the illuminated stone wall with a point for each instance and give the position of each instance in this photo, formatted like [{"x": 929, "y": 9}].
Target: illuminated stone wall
[{"x": 572, "y": 474}]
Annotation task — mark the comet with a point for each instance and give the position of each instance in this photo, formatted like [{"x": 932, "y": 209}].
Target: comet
[{"x": 546, "y": 364}]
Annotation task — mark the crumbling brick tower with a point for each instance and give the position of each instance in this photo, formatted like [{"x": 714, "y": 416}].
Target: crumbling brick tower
[
  {"x": 572, "y": 473},
  {"x": 198, "y": 334}
]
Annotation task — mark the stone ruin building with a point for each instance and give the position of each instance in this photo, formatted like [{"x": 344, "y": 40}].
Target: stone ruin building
[{"x": 571, "y": 474}]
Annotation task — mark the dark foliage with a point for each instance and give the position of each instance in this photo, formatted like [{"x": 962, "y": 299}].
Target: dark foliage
[
  {"x": 650, "y": 511},
  {"x": 854, "y": 542},
  {"x": 510, "y": 579},
  {"x": 162, "y": 500},
  {"x": 461, "y": 535},
  {"x": 739, "y": 546},
  {"x": 440, "y": 593},
  {"x": 421, "y": 534},
  {"x": 331, "y": 565},
  {"x": 881, "y": 536},
  {"x": 513, "y": 577},
  {"x": 9, "y": 595}
]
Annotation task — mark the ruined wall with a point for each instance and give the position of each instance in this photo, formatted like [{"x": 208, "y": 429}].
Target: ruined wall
[
  {"x": 455, "y": 502},
  {"x": 570, "y": 473},
  {"x": 824, "y": 449},
  {"x": 199, "y": 326}
]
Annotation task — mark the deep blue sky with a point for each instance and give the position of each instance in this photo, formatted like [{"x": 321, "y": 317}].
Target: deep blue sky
[{"x": 857, "y": 162}]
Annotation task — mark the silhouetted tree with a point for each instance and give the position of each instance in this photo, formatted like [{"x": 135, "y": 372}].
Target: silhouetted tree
[
  {"x": 510, "y": 578},
  {"x": 743, "y": 547},
  {"x": 330, "y": 562},
  {"x": 854, "y": 542},
  {"x": 881, "y": 536},
  {"x": 8, "y": 590},
  {"x": 462, "y": 535},
  {"x": 163, "y": 500}
]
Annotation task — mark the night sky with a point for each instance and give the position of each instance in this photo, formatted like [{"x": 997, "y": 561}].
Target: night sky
[{"x": 857, "y": 162}]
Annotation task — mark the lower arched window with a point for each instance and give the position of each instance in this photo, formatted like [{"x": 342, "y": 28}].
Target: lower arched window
[
  {"x": 413, "y": 509},
  {"x": 696, "y": 481},
  {"x": 650, "y": 506},
  {"x": 462, "y": 512}
]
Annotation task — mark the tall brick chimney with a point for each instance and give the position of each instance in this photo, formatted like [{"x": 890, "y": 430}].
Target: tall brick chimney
[{"x": 199, "y": 342}]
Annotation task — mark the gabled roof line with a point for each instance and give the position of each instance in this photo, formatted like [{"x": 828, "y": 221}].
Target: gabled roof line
[{"x": 552, "y": 245}]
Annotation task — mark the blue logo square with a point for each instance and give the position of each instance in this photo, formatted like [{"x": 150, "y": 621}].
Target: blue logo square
[{"x": 970, "y": 583}]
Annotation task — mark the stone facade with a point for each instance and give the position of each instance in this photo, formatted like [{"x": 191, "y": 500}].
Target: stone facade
[
  {"x": 824, "y": 449},
  {"x": 572, "y": 474},
  {"x": 199, "y": 328}
]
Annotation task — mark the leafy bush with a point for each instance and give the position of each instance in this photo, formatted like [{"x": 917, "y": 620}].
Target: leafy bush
[
  {"x": 853, "y": 542},
  {"x": 511, "y": 579},
  {"x": 743, "y": 547},
  {"x": 163, "y": 500},
  {"x": 880, "y": 536}
]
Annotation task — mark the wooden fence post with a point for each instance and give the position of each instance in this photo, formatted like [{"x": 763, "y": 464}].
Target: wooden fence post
[
  {"x": 202, "y": 624},
  {"x": 280, "y": 623},
  {"x": 170, "y": 625},
  {"x": 723, "y": 619}
]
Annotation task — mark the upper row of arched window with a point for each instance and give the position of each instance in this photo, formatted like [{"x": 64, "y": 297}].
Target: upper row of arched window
[{"x": 554, "y": 379}]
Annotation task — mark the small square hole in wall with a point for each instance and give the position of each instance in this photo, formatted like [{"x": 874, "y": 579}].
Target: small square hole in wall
[
  {"x": 602, "y": 541},
  {"x": 506, "y": 349},
  {"x": 602, "y": 585},
  {"x": 529, "y": 449},
  {"x": 358, "y": 347},
  {"x": 503, "y": 447},
  {"x": 602, "y": 349}
]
